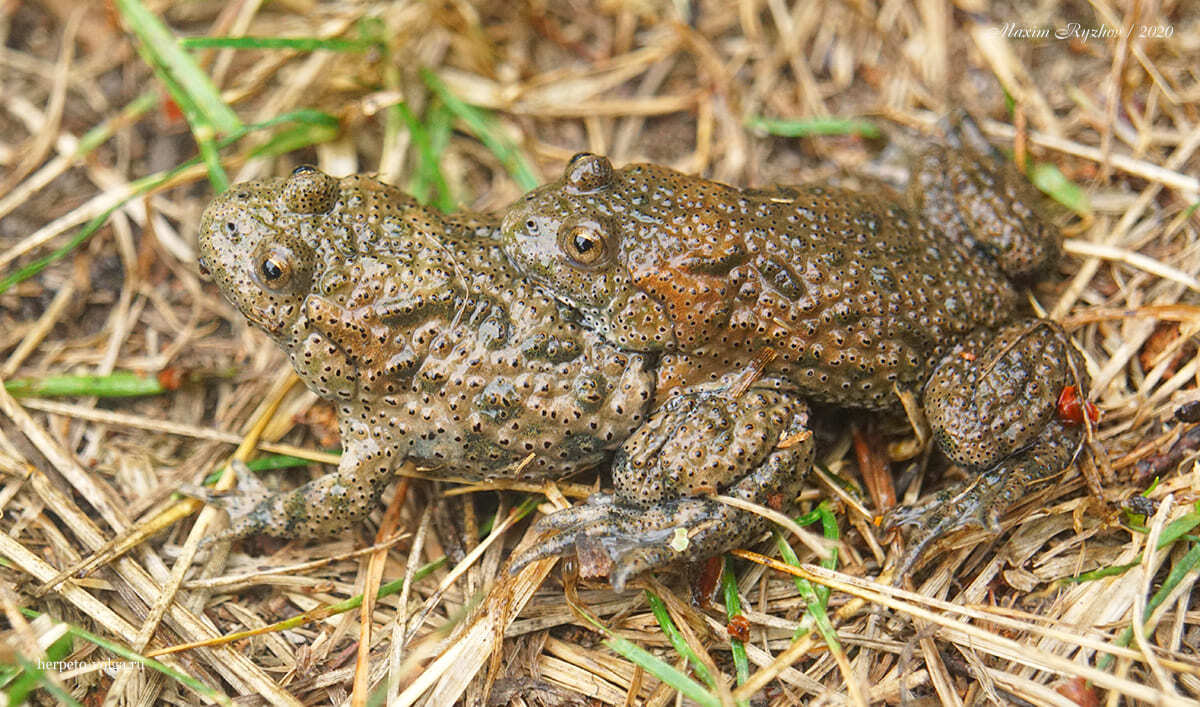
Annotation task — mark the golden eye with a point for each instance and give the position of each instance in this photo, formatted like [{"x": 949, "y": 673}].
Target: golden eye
[
  {"x": 583, "y": 244},
  {"x": 276, "y": 268},
  {"x": 272, "y": 270}
]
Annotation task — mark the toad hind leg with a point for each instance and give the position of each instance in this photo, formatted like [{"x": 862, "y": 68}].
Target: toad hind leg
[
  {"x": 753, "y": 446},
  {"x": 324, "y": 506},
  {"x": 993, "y": 407}
]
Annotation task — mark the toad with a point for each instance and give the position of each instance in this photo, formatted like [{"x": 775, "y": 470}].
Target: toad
[
  {"x": 434, "y": 349},
  {"x": 859, "y": 296}
]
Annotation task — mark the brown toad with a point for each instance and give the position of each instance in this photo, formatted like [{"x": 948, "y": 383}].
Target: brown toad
[
  {"x": 859, "y": 296},
  {"x": 435, "y": 349}
]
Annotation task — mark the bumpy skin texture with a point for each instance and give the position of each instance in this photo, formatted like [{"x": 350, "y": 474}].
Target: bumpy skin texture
[
  {"x": 858, "y": 296},
  {"x": 753, "y": 445},
  {"x": 854, "y": 293},
  {"x": 979, "y": 204},
  {"x": 417, "y": 328},
  {"x": 435, "y": 349}
]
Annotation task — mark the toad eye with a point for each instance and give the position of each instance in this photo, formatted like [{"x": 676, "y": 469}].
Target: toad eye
[
  {"x": 272, "y": 269},
  {"x": 276, "y": 267},
  {"x": 583, "y": 243}
]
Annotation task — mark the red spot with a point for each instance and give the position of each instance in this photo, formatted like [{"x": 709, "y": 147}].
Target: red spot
[
  {"x": 967, "y": 355},
  {"x": 738, "y": 628},
  {"x": 775, "y": 501},
  {"x": 171, "y": 111},
  {"x": 1073, "y": 409},
  {"x": 170, "y": 378}
]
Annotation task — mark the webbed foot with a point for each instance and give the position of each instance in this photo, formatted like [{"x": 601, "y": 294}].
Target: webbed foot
[
  {"x": 622, "y": 541},
  {"x": 324, "y": 506},
  {"x": 994, "y": 407},
  {"x": 982, "y": 500},
  {"x": 239, "y": 504},
  {"x": 754, "y": 446}
]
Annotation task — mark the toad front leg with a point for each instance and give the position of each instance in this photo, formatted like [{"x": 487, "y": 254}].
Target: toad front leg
[
  {"x": 993, "y": 405},
  {"x": 707, "y": 441},
  {"x": 324, "y": 506}
]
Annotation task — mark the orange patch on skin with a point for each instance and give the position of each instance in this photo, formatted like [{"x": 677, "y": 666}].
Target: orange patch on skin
[
  {"x": 697, "y": 304},
  {"x": 351, "y": 330}
]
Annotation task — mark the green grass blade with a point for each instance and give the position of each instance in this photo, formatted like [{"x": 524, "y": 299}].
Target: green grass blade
[
  {"x": 802, "y": 585},
  {"x": 169, "y": 59},
  {"x": 440, "y": 123},
  {"x": 1176, "y": 530},
  {"x": 30, "y": 269},
  {"x": 26, "y": 676},
  {"x": 211, "y": 156},
  {"x": 1100, "y": 573},
  {"x": 676, "y": 638},
  {"x": 201, "y": 102},
  {"x": 662, "y": 670},
  {"x": 120, "y": 384},
  {"x": 1055, "y": 184},
  {"x": 276, "y": 461},
  {"x": 816, "y": 601},
  {"x": 298, "y": 137},
  {"x": 427, "y": 179},
  {"x": 33, "y": 678},
  {"x": 268, "y": 463},
  {"x": 649, "y": 662},
  {"x": 816, "y": 596},
  {"x": 1188, "y": 563},
  {"x": 733, "y": 609},
  {"x": 809, "y": 127},
  {"x": 203, "y": 130},
  {"x": 483, "y": 126},
  {"x": 100, "y": 134},
  {"x": 1179, "y": 528}
]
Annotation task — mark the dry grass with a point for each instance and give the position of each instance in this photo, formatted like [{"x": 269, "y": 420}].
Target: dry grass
[{"x": 985, "y": 619}]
